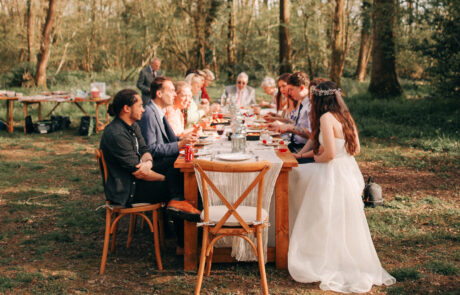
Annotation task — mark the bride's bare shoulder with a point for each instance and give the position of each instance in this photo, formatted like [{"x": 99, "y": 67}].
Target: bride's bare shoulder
[{"x": 327, "y": 117}]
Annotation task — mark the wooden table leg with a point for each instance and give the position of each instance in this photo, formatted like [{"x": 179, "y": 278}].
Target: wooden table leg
[
  {"x": 282, "y": 219},
  {"x": 40, "y": 111},
  {"x": 9, "y": 116},
  {"x": 26, "y": 113},
  {"x": 52, "y": 110},
  {"x": 81, "y": 109},
  {"x": 190, "y": 229},
  {"x": 97, "y": 117}
]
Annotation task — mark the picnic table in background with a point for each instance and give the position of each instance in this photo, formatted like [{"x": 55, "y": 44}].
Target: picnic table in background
[{"x": 58, "y": 99}]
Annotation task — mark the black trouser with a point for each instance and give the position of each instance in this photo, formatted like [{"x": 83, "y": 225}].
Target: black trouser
[
  {"x": 305, "y": 160},
  {"x": 295, "y": 147},
  {"x": 161, "y": 191}
]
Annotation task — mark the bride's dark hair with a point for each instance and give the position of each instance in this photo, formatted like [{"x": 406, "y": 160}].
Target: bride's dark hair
[{"x": 327, "y": 97}]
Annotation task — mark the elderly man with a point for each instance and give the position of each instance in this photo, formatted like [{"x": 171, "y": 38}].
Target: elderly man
[
  {"x": 240, "y": 94},
  {"x": 164, "y": 146},
  {"x": 146, "y": 77}
]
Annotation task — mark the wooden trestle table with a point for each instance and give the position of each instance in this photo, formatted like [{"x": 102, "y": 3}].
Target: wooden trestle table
[{"x": 277, "y": 254}]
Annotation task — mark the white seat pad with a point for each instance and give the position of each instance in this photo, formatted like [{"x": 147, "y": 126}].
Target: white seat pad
[{"x": 248, "y": 213}]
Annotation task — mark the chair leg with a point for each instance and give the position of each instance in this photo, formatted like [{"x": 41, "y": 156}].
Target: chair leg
[
  {"x": 162, "y": 227},
  {"x": 132, "y": 226},
  {"x": 105, "y": 249},
  {"x": 202, "y": 261},
  {"x": 142, "y": 223},
  {"x": 114, "y": 235},
  {"x": 155, "y": 238},
  {"x": 209, "y": 259},
  {"x": 260, "y": 258}
]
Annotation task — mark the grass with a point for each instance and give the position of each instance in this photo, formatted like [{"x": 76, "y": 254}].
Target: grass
[{"x": 51, "y": 237}]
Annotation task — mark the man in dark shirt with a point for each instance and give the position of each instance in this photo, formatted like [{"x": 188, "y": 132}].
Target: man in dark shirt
[{"x": 129, "y": 162}]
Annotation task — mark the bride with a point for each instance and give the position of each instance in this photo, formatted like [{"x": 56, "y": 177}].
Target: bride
[{"x": 330, "y": 240}]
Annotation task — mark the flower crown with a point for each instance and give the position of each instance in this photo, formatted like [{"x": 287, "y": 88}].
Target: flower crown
[{"x": 320, "y": 92}]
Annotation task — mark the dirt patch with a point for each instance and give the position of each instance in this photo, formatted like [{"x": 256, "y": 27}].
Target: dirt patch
[{"x": 412, "y": 182}]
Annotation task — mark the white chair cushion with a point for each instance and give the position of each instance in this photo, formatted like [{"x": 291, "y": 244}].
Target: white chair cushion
[{"x": 248, "y": 213}]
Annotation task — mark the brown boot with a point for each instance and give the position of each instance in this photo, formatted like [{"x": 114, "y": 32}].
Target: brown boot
[{"x": 184, "y": 210}]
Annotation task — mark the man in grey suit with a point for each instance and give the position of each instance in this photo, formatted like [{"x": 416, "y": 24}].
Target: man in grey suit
[
  {"x": 164, "y": 146},
  {"x": 146, "y": 77},
  {"x": 241, "y": 94}
]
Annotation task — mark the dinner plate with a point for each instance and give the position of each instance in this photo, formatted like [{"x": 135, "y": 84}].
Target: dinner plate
[
  {"x": 203, "y": 142},
  {"x": 234, "y": 157}
]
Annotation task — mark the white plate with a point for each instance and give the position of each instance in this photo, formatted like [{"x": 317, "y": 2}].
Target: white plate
[
  {"x": 234, "y": 157},
  {"x": 203, "y": 142}
]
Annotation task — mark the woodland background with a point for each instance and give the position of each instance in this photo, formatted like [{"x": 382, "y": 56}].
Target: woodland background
[
  {"x": 398, "y": 62},
  {"x": 54, "y": 42}
]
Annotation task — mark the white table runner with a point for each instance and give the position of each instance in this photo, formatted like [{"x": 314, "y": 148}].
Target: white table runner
[{"x": 232, "y": 186}]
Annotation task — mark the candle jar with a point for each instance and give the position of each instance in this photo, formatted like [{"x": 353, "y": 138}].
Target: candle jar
[{"x": 238, "y": 143}]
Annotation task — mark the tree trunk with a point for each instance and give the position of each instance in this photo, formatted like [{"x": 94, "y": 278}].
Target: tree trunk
[
  {"x": 364, "y": 48},
  {"x": 31, "y": 58},
  {"x": 384, "y": 81},
  {"x": 337, "y": 47},
  {"x": 43, "y": 55},
  {"x": 231, "y": 40},
  {"x": 285, "y": 40}
]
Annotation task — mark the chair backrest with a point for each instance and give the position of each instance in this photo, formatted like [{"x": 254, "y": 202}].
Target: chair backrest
[
  {"x": 203, "y": 166},
  {"x": 102, "y": 165}
]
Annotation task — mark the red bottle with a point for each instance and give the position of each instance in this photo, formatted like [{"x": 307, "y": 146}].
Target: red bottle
[{"x": 188, "y": 152}]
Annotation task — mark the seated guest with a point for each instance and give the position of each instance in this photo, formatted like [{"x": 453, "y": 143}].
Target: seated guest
[
  {"x": 198, "y": 107},
  {"x": 305, "y": 155},
  {"x": 298, "y": 89},
  {"x": 164, "y": 146},
  {"x": 269, "y": 86},
  {"x": 130, "y": 178},
  {"x": 284, "y": 106},
  {"x": 209, "y": 77},
  {"x": 175, "y": 113},
  {"x": 240, "y": 94}
]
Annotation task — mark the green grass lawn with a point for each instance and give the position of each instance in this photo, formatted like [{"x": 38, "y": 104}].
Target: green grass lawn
[{"x": 51, "y": 236}]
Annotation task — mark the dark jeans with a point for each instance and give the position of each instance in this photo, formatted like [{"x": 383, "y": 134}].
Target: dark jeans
[
  {"x": 295, "y": 147},
  {"x": 161, "y": 191},
  {"x": 305, "y": 160}
]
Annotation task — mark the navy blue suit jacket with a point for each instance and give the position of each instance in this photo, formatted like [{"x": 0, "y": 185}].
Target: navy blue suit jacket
[{"x": 159, "y": 136}]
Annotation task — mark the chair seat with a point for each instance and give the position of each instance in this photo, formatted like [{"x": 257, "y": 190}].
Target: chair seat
[{"x": 248, "y": 213}]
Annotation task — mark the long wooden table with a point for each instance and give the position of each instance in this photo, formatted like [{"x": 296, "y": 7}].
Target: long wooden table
[
  {"x": 9, "y": 112},
  {"x": 97, "y": 102},
  {"x": 277, "y": 254}
]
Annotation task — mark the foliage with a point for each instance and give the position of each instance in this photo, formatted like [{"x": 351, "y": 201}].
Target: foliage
[{"x": 442, "y": 47}]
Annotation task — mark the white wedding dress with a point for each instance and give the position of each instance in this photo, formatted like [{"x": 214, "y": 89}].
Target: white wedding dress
[{"x": 330, "y": 240}]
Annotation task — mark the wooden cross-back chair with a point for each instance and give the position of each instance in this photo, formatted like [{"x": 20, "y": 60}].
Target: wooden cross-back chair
[
  {"x": 116, "y": 212},
  {"x": 231, "y": 219}
]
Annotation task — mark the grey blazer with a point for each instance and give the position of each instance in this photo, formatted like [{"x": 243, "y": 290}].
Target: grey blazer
[
  {"x": 158, "y": 134},
  {"x": 143, "y": 82},
  {"x": 248, "y": 95}
]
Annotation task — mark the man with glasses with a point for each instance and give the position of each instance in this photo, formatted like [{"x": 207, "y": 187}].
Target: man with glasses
[{"x": 241, "y": 94}]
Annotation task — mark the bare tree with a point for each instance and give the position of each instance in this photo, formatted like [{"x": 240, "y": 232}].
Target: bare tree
[
  {"x": 30, "y": 32},
  {"x": 338, "y": 50},
  {"x": 45, "y": 45},
  {"x": 231, "y": 39},
  {"x": 384, "y": 81},
  {"x": 285, "y": 40},
  {"x": 365, "y": 46}
]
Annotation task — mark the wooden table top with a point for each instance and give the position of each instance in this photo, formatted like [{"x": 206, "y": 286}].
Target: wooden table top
[
  {"x": 288, "y": 161},
  {"x": 8, "y": 98}
]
